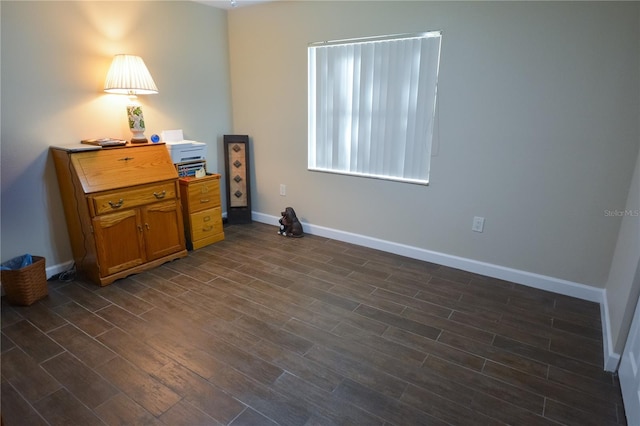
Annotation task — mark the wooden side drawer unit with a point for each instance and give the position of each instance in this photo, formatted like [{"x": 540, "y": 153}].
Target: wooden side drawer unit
[
  {"x": 202, "y": 213},
  {"x": 111, "y": 201}
]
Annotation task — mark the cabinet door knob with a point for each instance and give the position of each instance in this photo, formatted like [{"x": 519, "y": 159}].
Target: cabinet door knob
[
  {"x": 146, "y": 225},
  {"x": 160, "y": 195},
  {"x": 139, "y": 228},
  {"x": 117, "y": 204}
]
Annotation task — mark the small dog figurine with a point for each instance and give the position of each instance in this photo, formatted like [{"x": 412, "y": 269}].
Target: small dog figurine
[{"x": 290, "y": 226}]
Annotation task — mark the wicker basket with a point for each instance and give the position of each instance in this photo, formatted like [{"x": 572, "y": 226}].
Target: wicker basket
[{"x": 27, "y": 285}]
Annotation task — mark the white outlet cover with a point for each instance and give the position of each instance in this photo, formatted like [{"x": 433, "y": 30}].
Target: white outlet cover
[{"x": 478, "y": 224}]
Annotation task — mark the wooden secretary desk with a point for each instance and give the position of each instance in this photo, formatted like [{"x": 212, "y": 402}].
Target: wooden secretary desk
[{"x": 122, "y": 208}]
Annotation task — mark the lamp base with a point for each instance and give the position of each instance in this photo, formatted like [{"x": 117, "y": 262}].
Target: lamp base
[{"x": 136, "y": 123}]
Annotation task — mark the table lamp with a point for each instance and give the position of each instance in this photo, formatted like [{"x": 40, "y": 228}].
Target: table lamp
[{"x": 128, "y": 75}]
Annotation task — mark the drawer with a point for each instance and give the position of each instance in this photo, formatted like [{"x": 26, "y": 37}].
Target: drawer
[
  {"x": 203, "y": 195},
  {"x": 206, "y": 223},
  {"x": 194, "y": 245},
  {"x": 108, "y": 202}
]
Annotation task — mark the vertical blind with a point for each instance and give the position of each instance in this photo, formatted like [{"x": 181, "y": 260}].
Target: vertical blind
[{"x": 372, "y": 105}]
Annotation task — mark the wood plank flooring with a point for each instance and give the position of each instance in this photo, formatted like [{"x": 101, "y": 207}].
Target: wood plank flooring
[{"x": 265, "y": 330}]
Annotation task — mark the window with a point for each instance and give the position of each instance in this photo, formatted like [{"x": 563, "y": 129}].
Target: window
[{"x": 372, "y": 106}]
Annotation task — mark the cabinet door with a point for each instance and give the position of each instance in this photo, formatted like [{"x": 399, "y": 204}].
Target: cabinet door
[
  {"x": 119, "y": 241},
  {"x": 163, "y": 232}
]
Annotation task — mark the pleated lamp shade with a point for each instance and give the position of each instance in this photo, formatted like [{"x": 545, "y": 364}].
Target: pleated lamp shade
[{"x": 129, "y": 75}]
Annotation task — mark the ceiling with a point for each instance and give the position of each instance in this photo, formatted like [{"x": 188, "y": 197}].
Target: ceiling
[{"x": 229, "y": 4}]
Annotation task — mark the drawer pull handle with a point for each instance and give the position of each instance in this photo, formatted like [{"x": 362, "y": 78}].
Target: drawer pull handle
[
  {"x": 207, "y": 228},
  {"x": 206, "y": 218},
  {"x": 160, "y": 195},
  {"x": 126, "y": 159},
  {"x": 204, "y": 200},
  {"x": 116, "y": 205}
]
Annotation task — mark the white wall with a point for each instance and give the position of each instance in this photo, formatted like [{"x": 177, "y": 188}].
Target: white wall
[
  {"x": 55, "y": 56},
  {"x": 623, "y": 285}
]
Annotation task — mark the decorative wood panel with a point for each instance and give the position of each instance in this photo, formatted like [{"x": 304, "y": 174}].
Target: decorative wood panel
[{"x": 236, "y": 149}]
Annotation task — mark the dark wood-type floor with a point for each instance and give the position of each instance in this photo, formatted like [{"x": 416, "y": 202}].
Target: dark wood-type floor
[{"x": 261, "y": 329}]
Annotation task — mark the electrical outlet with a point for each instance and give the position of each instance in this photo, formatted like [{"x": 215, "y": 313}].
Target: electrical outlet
[
  {"x": 478, "y": 224},
  {"x": 283, "y": 189}
]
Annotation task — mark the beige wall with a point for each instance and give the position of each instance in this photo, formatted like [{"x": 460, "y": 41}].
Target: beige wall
[
  {"x": 538, "y": 121},
  {"x": 55, "y": 56},
  {"x": 538, "y": 130}
]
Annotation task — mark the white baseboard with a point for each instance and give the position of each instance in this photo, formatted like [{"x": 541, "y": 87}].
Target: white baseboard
[
  {"x": 59, "y": 268},
  {"x": 530, "y": 279},
  {"x": 611, "y": 358}
]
